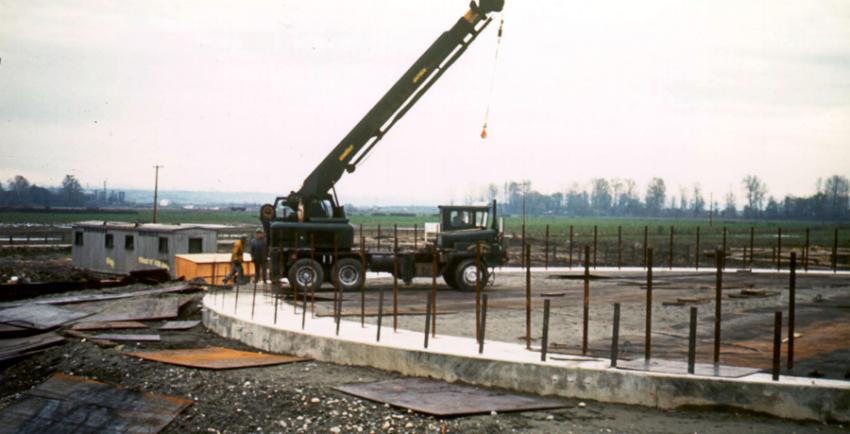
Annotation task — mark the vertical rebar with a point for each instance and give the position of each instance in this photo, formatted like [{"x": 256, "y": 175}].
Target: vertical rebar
[
  {"x": 395, "y": 286},
  {"x": 835, "y": 252},
  {"x": 236, "y": 299},
  {"x": 779, "y": 249},
  {"x": 434, "y": 265},
  {"x": 777, "y": 344},
  {"x": 427, "y": 319},
  {"x": 585, "y": 301},
  {"x": 253, "y": 300},
  {"x": 363, "y": 285},
  {"x": 524, "y": 243},
  {"x": 670, "y": 261},
  {"x": 645, "y": 246},
  {"x": 692, "y": 341},
  {"x": 792, "y": 307},
  {"x": 477, "y": 289},
  {"x": 595, "y": 238},
  {"x": 276, "y": 300},
  {"x": 718, "y": 299},
  {"x": 378, "y": 238},
  {"x": 724, "y": 248},
  {"x": 619, "y": 246},
  {"x": 752, "y": 245},
  {"x": 546, "y": 249},
  {"x": 313, "y": 288},
  {"x": 415, "y": 237},
  {"x": 647, "y": 345},
  {"x": 528, "y": 298},
  {"x": 544, "y": 344},
  {"x": 697, "y": 252},
  {"x": 380, "y": 314},
  {"x": 303, "y": 312},
  {"x": 483, "y": 324},
  {"x": 338, "y": 314},
  {"x": 214, "y": 266},
  {"x": 806, "y": 252},
  {"x": 615, "y": 338},
  {"x": 570, "y": 264}
]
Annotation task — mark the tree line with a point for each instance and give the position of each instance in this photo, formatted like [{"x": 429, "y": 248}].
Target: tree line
[
  {"x": 19, "y": 192},
  {"x": 623, "y": 197}
]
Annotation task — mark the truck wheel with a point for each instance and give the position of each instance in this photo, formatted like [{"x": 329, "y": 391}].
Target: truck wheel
[
  {"x": 464, "y": 275},
  {"x": 348, "y": 274},
  {"x": 306, "y": 275}
]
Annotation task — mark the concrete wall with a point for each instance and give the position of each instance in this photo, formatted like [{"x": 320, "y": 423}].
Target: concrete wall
[{"x": 787, "y": 399}]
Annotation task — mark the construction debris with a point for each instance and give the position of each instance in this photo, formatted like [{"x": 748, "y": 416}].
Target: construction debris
[
  {"x": 127, "y": 337},
  {"x": 108, "y": 325},
  {"x": 216, "y": 358},
  {"x": 179, "y": 325},
  {"x": 66, "y": 403},
  {"x": 20, "y": 347},
  {"x": 442, "y": 399},
  {"x": 40, "y": 316}
]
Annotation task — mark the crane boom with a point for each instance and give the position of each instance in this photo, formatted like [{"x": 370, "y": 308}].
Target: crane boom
[{"x": 394, "y": 104}]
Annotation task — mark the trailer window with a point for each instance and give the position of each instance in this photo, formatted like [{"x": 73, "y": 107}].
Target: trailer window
[
  {"x": 109, "y": 241},
  {"x": 129, "y": 242},
  {"x": 163, "y": 245},
  {"x": 78, "y": 238},
  {"x": 196, "y": 245}
]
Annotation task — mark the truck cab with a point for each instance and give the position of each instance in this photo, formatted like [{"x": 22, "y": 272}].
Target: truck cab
[{"x": 463, "y": 230}]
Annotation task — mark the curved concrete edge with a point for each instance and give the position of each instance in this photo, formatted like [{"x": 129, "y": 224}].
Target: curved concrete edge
[{"x": 793, "y": 401}]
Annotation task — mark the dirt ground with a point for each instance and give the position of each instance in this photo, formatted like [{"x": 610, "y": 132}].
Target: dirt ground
[{"x": 299, "y": 397}]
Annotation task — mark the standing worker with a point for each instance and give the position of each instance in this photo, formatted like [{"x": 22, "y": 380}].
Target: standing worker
[
  {"x": 259, "y": 255},
  {"x": 236, "y": 253}
]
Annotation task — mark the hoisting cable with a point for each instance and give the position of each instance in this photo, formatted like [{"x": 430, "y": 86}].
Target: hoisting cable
[{"x": 492, "y": 78}]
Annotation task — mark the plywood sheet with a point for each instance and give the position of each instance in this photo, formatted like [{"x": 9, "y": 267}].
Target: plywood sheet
[
  {"x": 216, "y": 358},
  {"x": 69, "y": 404},
  {"x": 438, "y": 398}
]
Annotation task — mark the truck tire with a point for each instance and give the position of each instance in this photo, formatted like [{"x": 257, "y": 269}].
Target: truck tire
[
  {"x": 306, "y": 275},
  {"x": 464, "y": 275},
  {"x": 348, "y": 274}
]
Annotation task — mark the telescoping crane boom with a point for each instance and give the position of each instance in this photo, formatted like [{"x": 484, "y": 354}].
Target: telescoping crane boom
[
  {"x": 313, "y": 218},
  {"x": 319, "y": 185}
]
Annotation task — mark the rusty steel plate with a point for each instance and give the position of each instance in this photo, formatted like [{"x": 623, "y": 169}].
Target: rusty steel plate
[
  {"x": 677, "y": 367},
  {"x": 69, "y": 404},
  {"x": 39, "y": 316},
  {"x": 179, "y": 325},
  {"x": 438, "y": 398},
  {"x": 108, "y": 325},
  {"x": 216, "y": 358},
  {"x": 127, "y": 337},
  {"x": 19, "y": 347},
  {"x": 133, "y": 309}
]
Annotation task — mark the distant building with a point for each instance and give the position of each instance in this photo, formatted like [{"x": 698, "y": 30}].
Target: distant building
[{"x": 119, "y": 248}]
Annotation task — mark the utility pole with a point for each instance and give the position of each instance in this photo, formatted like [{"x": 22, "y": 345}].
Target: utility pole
[{"x": 155, "y": 189}]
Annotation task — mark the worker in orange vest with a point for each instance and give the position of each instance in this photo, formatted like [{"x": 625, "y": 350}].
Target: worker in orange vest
[{"x": 236, "y": 253}]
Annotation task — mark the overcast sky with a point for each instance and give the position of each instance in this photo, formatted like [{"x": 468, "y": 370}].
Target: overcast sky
[{"x": 250, "y": 96}]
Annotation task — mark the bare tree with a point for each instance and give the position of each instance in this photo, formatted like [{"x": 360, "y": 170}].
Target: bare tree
[
  {"x": 837, "y": 190},
  {"x": 600, "y": 197},
  {"x": 656, "y": 195},
  {"x": 755, "y": 190},
  {"x": 729, "y": 210},
  {"x": 698, "y": 203}
]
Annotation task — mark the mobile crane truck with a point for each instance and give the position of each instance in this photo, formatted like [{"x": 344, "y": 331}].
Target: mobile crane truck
[{"x": 310, "y": 238}]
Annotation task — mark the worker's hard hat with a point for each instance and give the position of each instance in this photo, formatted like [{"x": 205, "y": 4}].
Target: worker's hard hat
[{"x": 259, "y": 230}]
